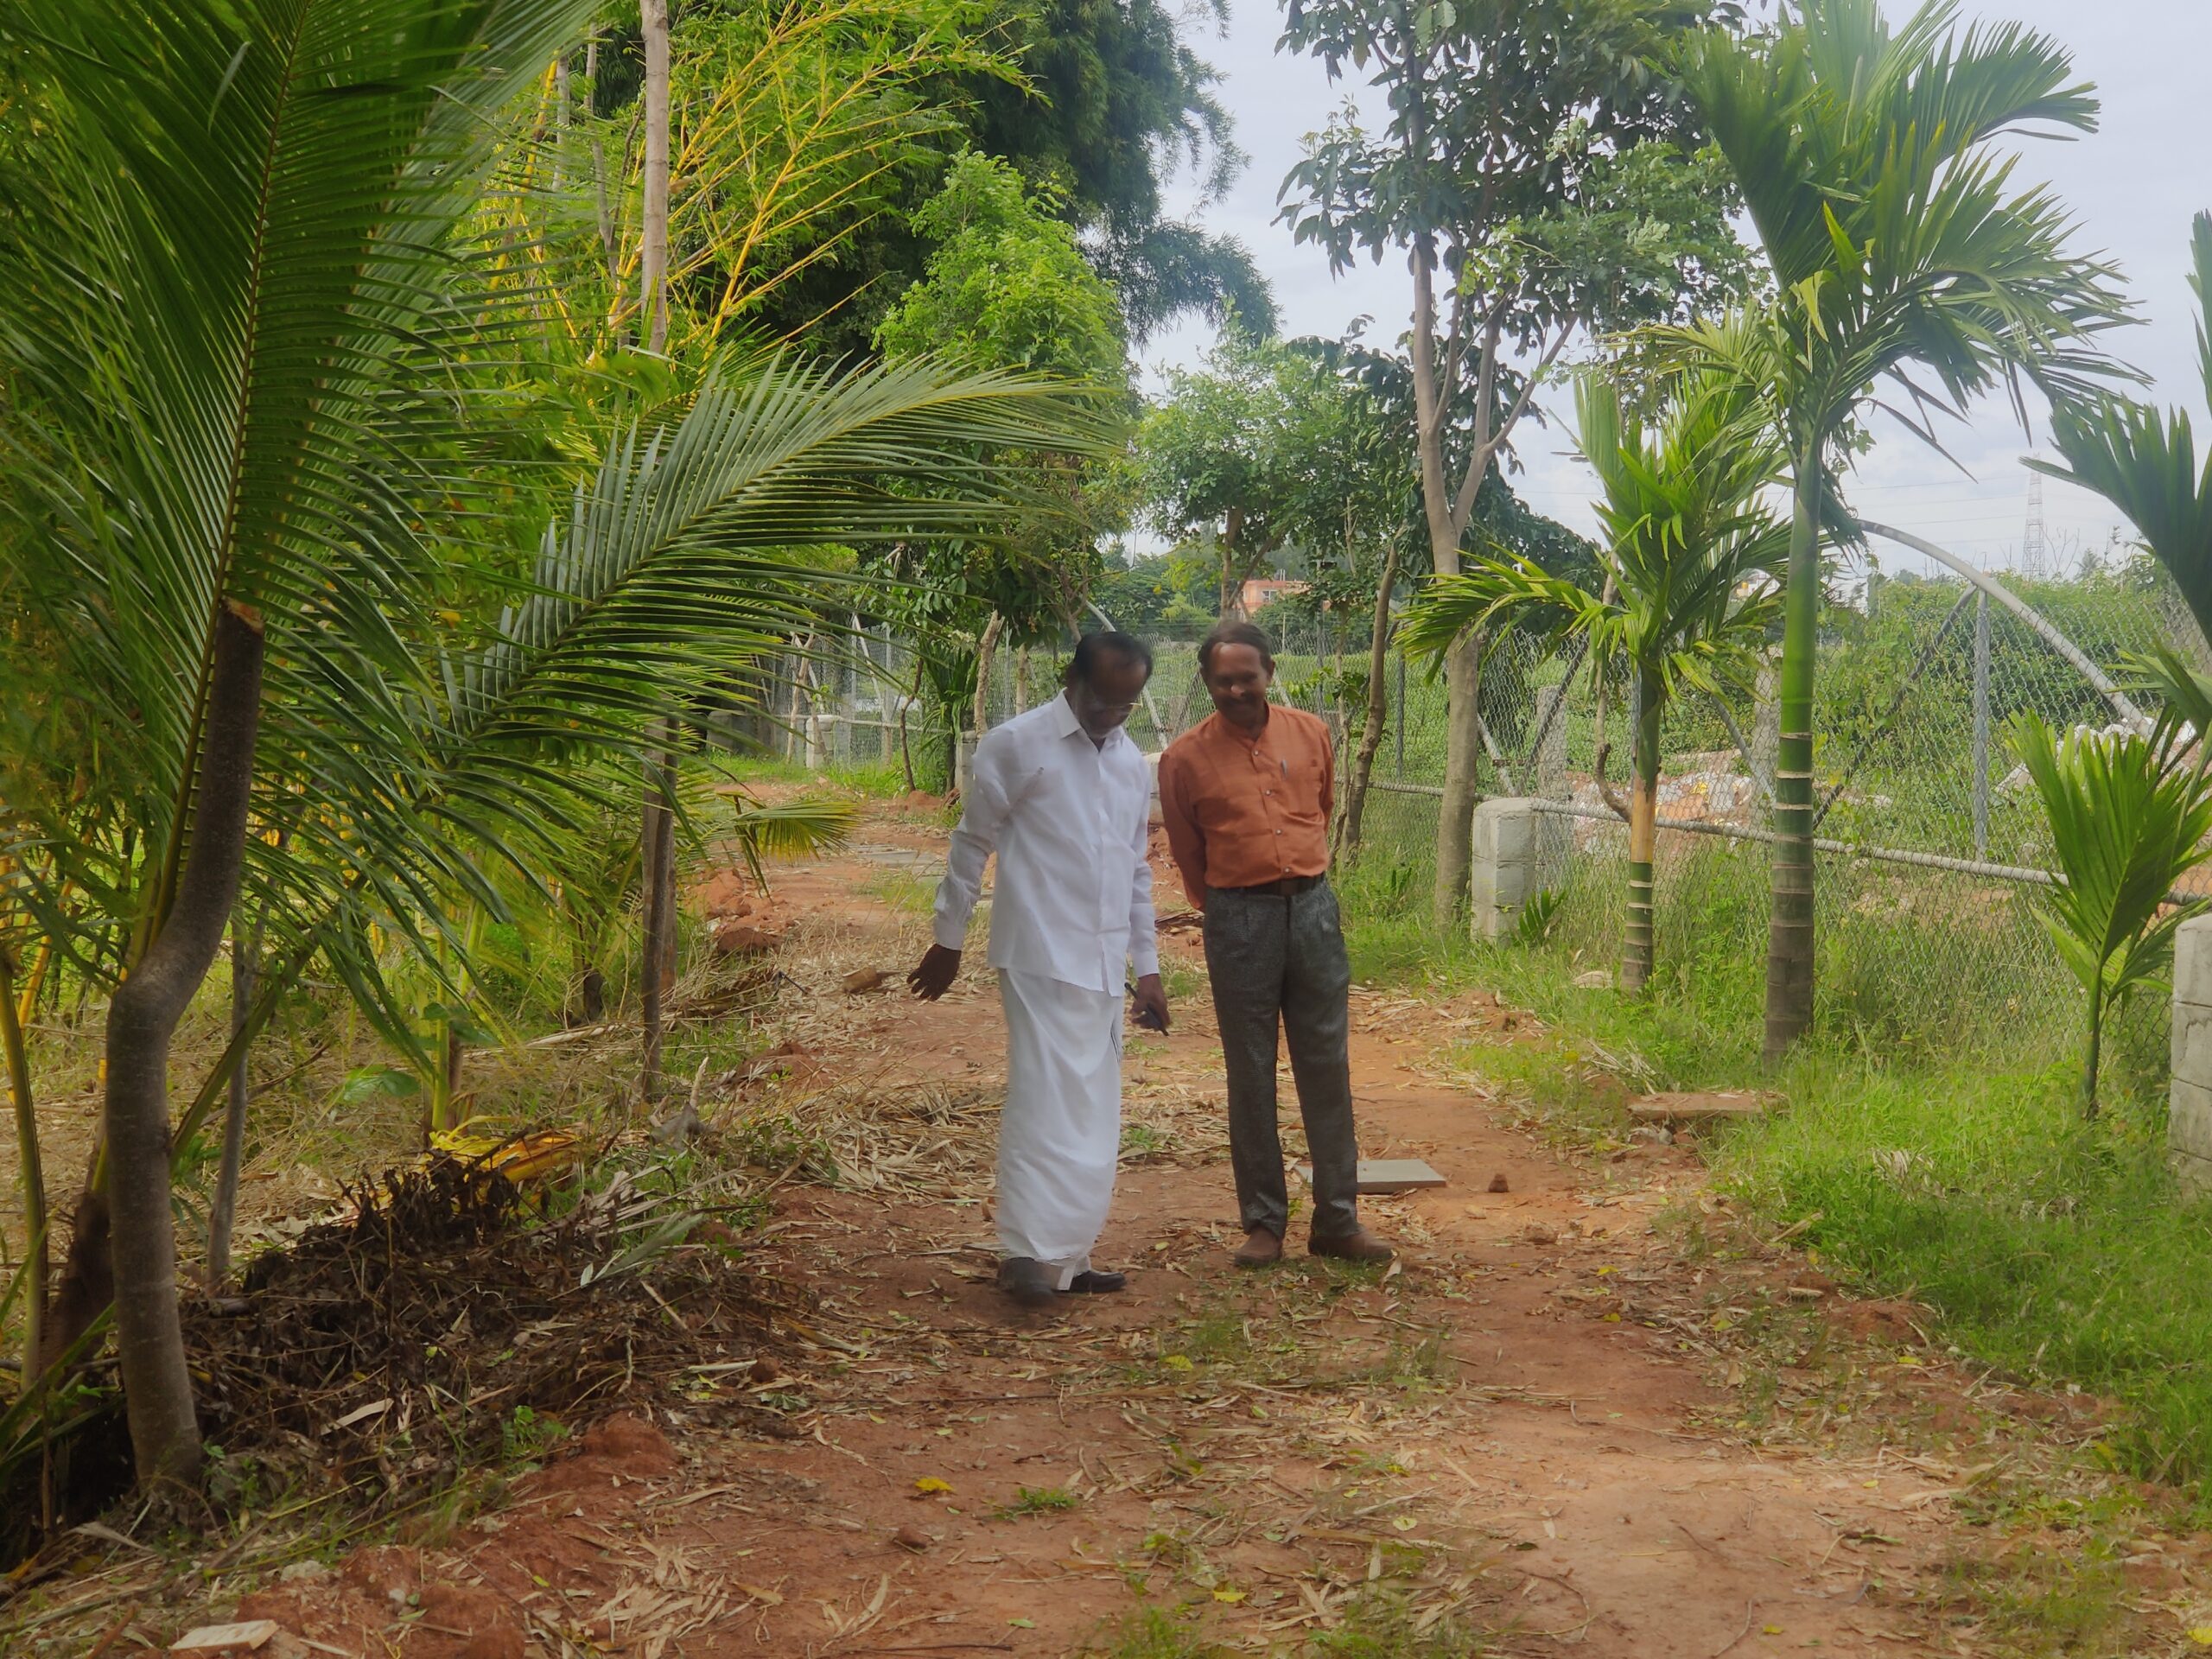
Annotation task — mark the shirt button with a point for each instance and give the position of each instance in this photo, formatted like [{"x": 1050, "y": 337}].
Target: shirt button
[{"x": 1278, "y": 832}]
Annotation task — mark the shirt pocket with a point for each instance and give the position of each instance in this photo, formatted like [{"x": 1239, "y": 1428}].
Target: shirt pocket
[{"x": 1302, "y": 803}]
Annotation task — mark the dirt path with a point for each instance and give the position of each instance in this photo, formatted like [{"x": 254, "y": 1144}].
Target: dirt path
[{"x": 1560, "y": 1421}]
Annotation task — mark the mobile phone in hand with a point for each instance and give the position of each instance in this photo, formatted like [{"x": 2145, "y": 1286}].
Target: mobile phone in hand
[{"x": 1146, "y": 1018}]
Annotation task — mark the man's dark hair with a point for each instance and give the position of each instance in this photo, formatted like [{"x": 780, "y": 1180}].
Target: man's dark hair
[
  {"x": 1127, "y": 647},
  {"x": 1235, "y": 633}
]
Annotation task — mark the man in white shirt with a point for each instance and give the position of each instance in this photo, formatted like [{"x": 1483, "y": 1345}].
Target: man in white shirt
[{"x": 1064, "y": 797}]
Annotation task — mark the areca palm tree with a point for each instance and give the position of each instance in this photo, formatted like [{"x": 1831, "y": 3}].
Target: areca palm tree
[
  {"x": 2144, "y": 461},
  {"x": 1904, "y": 257},
  {"x": 1687, "y": 551},
  {"x": 2129, "y": 814},
  {"x": 239, "y": 346}
]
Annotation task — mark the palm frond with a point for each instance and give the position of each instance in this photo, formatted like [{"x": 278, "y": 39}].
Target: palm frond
[
  {"x": 2144, "y": 461},
  {"x": 798, "y": 829},
  {"x": 2126, "y": 824},
  {"x": 680, "y": 558},
  {"x": 1896, "y": 238}
]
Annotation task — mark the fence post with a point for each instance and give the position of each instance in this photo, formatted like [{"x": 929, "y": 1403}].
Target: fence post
[
  {"x": 1982, "y": 726},
  {"x": 794, "y": 739},
  {"x": 1399, "y": 709},
  {"x": 2189, "y": 1117},
  {"x": 1504, "y": 874},
  {"x": 1550, "y": 778}
]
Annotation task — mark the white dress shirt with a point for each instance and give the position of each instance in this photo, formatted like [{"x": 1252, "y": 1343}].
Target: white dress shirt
[{"x": 1069, "y": 819}]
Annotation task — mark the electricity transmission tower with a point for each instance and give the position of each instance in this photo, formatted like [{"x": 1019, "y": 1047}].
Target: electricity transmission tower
[{"x": 2035, "y": 541}]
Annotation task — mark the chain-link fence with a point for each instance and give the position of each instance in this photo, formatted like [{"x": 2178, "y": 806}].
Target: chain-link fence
[{"x": 1933, "y": 845}]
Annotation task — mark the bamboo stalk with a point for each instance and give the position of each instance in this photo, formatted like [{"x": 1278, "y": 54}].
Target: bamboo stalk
[{"x": 31, "y": 1173}]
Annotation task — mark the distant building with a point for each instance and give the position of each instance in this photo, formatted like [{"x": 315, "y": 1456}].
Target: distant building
[{"x": 1258, "y": 590}]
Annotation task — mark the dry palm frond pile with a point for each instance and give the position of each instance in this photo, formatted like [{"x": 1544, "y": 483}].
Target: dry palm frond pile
[
  {"x": 402, "y": 1340},
  {"x": 431, "y": 1327}
]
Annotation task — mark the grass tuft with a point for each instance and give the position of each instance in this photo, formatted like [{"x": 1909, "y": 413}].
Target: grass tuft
[
  {"x": 1040, "y": 1500},
  {"x": 1152, "y": 1633}
]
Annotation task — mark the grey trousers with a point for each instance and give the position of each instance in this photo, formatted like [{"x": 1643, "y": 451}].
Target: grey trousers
[{"x": 1276, "y": 960}]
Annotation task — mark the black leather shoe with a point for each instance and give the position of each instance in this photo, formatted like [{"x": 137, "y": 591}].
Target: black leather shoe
[
  {"x": 1024, "y": 1279},
  {"x": 1091, "y": 1283}
]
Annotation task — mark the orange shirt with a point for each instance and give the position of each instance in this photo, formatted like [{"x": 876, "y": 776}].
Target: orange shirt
[{"x": 1242, "y": 813}]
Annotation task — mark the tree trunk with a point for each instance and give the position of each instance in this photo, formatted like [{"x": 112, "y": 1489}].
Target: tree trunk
[
  {"x": 658, "y": 955},
  {"x": 2091, "y": 1052},
  {"x": 1021, "y": 677},
  {"x": 1378, "y": 708},
  {"x": 222, "y": 1214},
  {"x": 985, "y": 651},
  {"x": 1463, "y": 748},
  {"x": 905, "y": 747},
  {"x": 653, "y": 249},
  {"x": 30, "y": 1171},
  {"x": 1637, "y": 942},
  {"x": 1232, "y": 579},
  {"x": 1789, "y": 926},
  {"x": 141, "y": 1019}
]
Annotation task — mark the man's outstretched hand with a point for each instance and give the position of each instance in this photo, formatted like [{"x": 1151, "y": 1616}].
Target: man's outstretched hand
[
  {"x": 939, "y": 968},
  {"x": 1148, "y": 1001}
]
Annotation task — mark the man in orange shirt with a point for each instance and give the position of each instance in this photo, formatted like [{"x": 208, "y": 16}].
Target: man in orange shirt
[{"x": 1246, "y": 794}]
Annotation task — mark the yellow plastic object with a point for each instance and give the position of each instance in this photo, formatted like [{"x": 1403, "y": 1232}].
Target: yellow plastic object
[{"x": 534, "y": 1155}]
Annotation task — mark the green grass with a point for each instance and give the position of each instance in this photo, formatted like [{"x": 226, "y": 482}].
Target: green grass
[
  {"x": 1152, "y": 1633},
  {"x": 1182, "y": 984},
  {"x": 2042, "y": 1603},
  {"x": 1040, "y": 1500},
  {"x": 902, "y": 890},
  {"x": 1141, "y": 1141},
  {"x": 1384, "y": 1623},
  {"x": 881, "y": 780},
  {"x": 2058, "y": 1251},
  {"x": 1935, "y": 1154}
]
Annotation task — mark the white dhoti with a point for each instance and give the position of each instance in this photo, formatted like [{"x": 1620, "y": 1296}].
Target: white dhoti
[{"x": 1061, "y": 1132}]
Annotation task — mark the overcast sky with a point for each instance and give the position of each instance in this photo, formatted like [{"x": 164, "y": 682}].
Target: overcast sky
[{"x": 2132, "y": 188}]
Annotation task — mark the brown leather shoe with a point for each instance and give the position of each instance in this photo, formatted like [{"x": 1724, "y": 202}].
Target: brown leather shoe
[
  {"x": 1260, "y": 1248},
  {"x": 1358, "y": 1245}
]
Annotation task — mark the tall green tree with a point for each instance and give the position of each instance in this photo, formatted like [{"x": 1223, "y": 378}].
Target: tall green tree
[
  {"x": 1256, "y": 448},
  {"x": 1874, "y": 166},
  {"x": 1537, "y": 175},
  {"x": 1688, "y": 598},
  {"x": 1007, "y": 287},
  {"x": 237, "y": 501},
  {"x": 1095, "y": 103}
]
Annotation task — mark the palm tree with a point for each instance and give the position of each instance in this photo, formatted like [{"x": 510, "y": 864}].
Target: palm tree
[
  {"x": 2129, "y": 814},
  {"x": 236, "y": 330},
  {"x": 1903, "y": 255},
  {"x": 1686, "y": 597},
  {"x": 2145, "y": 463}
]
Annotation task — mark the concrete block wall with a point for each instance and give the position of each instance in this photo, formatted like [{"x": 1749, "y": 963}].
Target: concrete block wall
[
  {"x": 1507, "y": 843},
  {"x": 2188, "y": 1117}
]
